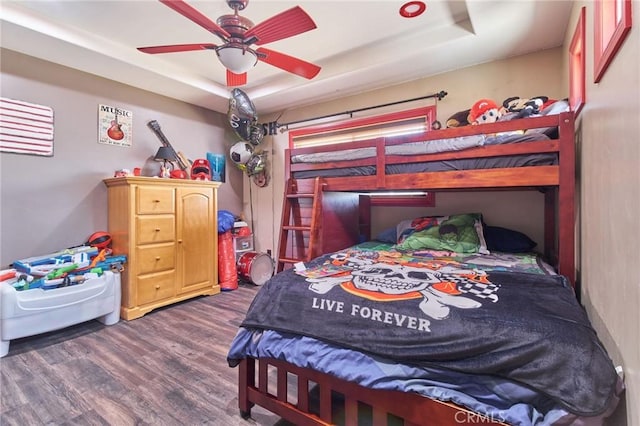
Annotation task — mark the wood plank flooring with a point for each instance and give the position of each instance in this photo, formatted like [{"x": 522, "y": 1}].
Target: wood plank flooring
[{"x": 167, "y": 368}]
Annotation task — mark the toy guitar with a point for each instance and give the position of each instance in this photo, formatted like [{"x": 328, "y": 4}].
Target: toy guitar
[
  {"x": 183, "y": 163},
  {"x": 115, "y": 131}
]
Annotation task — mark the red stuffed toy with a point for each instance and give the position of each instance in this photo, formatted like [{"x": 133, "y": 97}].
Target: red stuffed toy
[{"x": 484, "y": 111}]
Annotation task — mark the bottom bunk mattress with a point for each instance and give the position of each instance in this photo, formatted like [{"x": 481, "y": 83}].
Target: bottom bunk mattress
[{"x": 516, "y": 346}]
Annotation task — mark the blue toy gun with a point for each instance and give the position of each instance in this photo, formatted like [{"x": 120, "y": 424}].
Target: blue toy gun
[
  {"x": 113, "y": 263},
  {"x": 40, "y": 264}
]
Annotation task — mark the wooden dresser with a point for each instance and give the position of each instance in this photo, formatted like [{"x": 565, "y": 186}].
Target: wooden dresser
[{"x": 168, "y": 230}]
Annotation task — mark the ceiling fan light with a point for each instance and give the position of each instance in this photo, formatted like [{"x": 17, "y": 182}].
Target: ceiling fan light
[{"x": 237, "y": 60}]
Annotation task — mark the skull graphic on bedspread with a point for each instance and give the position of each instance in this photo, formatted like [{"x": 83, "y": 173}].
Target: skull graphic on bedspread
[{"x": 383, "y": 276}]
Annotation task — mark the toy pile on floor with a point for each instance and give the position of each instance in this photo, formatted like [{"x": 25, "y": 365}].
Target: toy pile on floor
[{"x": 71, "y": 266}]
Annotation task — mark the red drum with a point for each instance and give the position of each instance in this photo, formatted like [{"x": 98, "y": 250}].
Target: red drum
[{"x": 255, "y": 267}]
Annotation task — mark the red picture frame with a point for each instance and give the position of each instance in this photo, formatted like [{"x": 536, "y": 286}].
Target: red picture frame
[
  {"x": 577, "y": 90},
  {"x": 612, "y": 22}
]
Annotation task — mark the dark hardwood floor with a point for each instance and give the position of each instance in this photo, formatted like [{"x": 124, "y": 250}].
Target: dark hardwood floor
[{"x": 167, "y": 368}]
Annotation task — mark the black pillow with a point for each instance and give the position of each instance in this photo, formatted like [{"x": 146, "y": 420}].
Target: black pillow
[{"x": 507, "y": 240}]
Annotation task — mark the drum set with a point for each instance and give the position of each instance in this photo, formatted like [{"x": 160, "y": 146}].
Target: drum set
[{"x": 253, "y": 267}]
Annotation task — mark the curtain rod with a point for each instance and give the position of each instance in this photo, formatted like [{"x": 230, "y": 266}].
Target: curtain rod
[{"x": 438, "y": 96}]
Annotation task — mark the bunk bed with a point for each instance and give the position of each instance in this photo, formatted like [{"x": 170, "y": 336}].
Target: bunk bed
[{"x": 314, "y": 346}]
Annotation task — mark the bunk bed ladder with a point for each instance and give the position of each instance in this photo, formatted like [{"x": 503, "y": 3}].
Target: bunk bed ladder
[{"x": 300, "y": 228}]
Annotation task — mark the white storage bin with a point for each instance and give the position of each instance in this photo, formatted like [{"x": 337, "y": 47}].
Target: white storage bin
[
  {"x": 28, "y": 312},
  {"x": 242, "y": 244}
]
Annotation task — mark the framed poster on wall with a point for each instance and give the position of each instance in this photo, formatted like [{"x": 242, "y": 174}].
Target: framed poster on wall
[
  {"x": 217, "y": 163},
  {"x": 612, "y": 22},
  {"x": 115, "y": 126}
]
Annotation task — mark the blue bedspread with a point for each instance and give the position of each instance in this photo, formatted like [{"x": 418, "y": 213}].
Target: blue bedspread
[
  {"x": 527, "y": 329},
  {"x": 491, "y": 397}
]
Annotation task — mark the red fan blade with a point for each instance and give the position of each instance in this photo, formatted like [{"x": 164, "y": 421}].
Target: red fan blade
[
  {"x": 189, "y": 12},
  {"x": 176, "y": 48},
  {"x": 236, "y": 79},
  {"x": 285, "y": 24},
  {"x": 288, "y": 63}
]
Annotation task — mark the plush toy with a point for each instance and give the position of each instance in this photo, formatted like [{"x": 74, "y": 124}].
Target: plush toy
[
  {"x": 548, "y": 103},
  {"x": 513, "y": 104},
  {"x": 484, "y": 111},
  {"x": 536, "y": 104},
  {"x": 523, "y": 107},
  {"x": 459, "y": 119}
]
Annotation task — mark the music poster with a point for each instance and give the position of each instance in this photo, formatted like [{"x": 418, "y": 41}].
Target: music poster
[{"x": 115, "y": 126}]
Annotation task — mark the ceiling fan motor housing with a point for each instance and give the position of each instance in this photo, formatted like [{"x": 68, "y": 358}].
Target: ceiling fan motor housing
[{"x": 235, "y": 25}]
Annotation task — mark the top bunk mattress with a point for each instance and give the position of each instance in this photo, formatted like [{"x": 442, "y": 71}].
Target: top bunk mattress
[
  {"x": 418, "y": 148},
  {"x": 433, "y": 146}
]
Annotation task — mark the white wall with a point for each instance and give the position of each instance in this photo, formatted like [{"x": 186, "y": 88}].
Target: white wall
[
  {"x": 50, "y": 203},
  {"x": 609, "y": 159}
]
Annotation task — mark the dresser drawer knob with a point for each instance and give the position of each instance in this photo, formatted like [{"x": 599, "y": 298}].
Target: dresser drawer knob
[
  {"x": 157, "y": 257},
  {"x": 157, "y": 287},
  {"x": 157, "y": 229},
  {"x": 156, "y": 201}
]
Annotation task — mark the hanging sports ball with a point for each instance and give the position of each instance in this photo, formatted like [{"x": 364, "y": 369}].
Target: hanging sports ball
[
  {"x": 242, "y": 114},
  {"x": 240, "y": 153},
  {"x": 256, "y": 134},
  {"x": 256, "y": 163},
  {"x": 261, "y": 179},
  {"x": 100, "y": 240}
]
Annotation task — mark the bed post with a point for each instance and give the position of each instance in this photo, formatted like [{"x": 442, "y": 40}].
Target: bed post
[
  {"x": 381, "y": 164},
  {"x": 246, "y": 379},
  {"x": 566, "y": 198},
  {"x": 550, "y": 225},
  {"x": 364, "y": 220},
  {"x": 287, "y": 164}
]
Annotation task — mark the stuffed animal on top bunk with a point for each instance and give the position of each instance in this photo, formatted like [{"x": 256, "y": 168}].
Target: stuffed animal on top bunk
[
  {"x": 487, "y": 111},
  {"x": 459, "y": 119},
  {"x": 484, "y": 111},
  {"x": 517, "y": 107}
]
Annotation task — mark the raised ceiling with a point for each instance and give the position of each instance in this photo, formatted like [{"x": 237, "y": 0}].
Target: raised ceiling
[{"x": 360, "y": 45}]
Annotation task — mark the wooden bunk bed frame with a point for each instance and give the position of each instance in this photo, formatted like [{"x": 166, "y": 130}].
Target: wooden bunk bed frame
[{"x": 558, "y": 183}]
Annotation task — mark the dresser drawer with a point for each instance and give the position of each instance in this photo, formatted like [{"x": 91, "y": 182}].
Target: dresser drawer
[
  {"x": 152, "y": 288},
  {"x": 154, "y": 200},
  {"x": 156, "y": 258},
  {"x": 155, "y": 229}
]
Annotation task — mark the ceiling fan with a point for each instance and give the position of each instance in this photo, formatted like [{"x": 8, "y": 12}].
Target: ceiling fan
[{"x": 239, "y": 34}]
